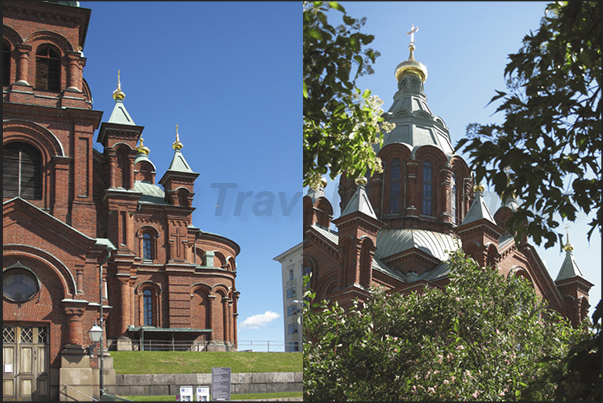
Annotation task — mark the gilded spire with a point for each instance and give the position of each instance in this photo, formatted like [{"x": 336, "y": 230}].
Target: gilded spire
[
  {"x": 177, "y": 145},
  {"x": 568, "y": 247},
  {"x": 118, "y": 94},
  {"x": 142, "y": 149}
]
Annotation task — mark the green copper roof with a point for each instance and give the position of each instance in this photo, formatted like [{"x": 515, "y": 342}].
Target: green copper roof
[
  {"x": 393, "y": 241},
  {"x": 66, "y": 3},
  {"x": 416, "y": 124},
  {"x": 478, "y": 210},
  {"x": 120, "y": 115},
  {"x": 359, "y": 202},
  {"x": 569, "y": 268},
  {"x": 179, "y": 164}
]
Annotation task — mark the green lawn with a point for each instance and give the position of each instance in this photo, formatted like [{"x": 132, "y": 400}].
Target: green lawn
[
  {"x": 243, "y": 396},
  {"x": 187, "y": 362}
]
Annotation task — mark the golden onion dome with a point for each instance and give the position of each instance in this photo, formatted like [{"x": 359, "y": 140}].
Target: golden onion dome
[
  {"x": 142, "y": 149},
  {"x": 411, "y": 66}
]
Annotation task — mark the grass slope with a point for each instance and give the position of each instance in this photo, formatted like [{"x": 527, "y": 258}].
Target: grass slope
[{"x": 185, "y": 362}]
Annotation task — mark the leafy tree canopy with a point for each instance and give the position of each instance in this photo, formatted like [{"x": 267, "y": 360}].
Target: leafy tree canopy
[
  {"x": 341, "y": 122},
  {"x": 548, "y": 150},
  {"x": 483, "y": 337}
]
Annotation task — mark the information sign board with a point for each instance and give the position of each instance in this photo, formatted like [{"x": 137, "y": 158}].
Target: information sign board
[
  {"x": 202, "y": 394},
  {"x": 186, "y": 393},
  {"x": 220, "y": 383}
]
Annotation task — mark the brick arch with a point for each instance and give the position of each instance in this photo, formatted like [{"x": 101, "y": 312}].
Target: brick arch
[
  {"x": 42, "y": 37},
  {"x": 38, "y": 136},
  {"x": 143, "y": 171},
  {"x": 219, "y": 318},
  {"x": 68, "y": 284},
  {"x": 521, "y": 272},
  {"x": 11, "y": 36},
  {"x": 329, "y": 281},
  {"x": 182, "y": 194},
  {"x": 200, "y": 306},
  {"x": 220, "y": 289},
  {"x": 366, "y": 260},
  {"x": 231, "y": 263},
  {"x": 346, "y": 257},
  {"x": 154, "y": 232},
  {"x": 471, "y": 249},
  {"x": 493, "y": 255},
  {"x": 122, "y": 167},
  {"x": 220, "y": 259},
  {"x": 156, "y": 290},
  {"x": 143, "y": 285},
  {"x": 438, "y": 161},
  {"x": 400, "y": 150}
]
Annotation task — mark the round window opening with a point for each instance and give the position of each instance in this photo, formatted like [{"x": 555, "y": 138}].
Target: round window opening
[{"x": 19, "y": 284}]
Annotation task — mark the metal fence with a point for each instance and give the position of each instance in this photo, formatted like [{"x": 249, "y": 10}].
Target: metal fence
[{"x": 182, "y": 345}]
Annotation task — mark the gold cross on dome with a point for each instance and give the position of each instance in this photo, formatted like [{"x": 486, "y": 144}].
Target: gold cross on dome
[{"x": 412, "y": 31}]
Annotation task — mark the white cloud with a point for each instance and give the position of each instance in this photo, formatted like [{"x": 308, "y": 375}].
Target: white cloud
[{"x": 261, "y": 320}]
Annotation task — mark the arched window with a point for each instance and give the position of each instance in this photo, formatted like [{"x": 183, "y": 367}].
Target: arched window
[
  {"x": 147, "y": 246},
  {"x": 394, "y": 186},
  {"x": 453, "y": 200},
  {"x": 148, "y": 308},
  {"x": 5, "y": 63},
  {"x": 22, "y": 171},
  {"x": 427, "y": 188},
  {"x": 183, "y": 198},
  {"x": 48, "y": 68}
]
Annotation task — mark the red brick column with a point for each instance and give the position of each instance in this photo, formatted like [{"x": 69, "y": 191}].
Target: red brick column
[
  {"x": 23, "y": 63},
  {"x": 226, "y": 318},
  {"x": 210, "y": 312},
  {"x": 75, "y": 73},
  {"x": 75, "y": 328},
  {"x": 124, "y": 314},
  {"x": 445, "y": 186},
  {"x": 112, "y": 165}
]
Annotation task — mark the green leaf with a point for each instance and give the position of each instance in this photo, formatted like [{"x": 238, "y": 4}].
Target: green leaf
[
  {"x": 336, "y": 6},
  {"x": 315, "y": 33}
]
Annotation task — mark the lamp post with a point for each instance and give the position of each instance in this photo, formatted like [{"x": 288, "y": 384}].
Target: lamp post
[{"x": 96, "y": 333}]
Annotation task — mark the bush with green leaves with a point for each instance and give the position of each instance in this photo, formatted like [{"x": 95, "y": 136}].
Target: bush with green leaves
[
  {"x": 481, "y": 337},
  {"x": 341, "y": 122}
]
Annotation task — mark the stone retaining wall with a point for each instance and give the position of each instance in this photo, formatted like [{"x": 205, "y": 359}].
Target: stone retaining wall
[{"x": 169, "y": 384}]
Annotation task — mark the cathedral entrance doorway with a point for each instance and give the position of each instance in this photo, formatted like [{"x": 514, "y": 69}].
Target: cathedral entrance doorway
[{"x": 26, "y": 362}]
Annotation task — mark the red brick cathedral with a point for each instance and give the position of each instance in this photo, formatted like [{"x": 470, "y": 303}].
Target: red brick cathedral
[
  {"x": 394, "y": 229},
  {"x": 73, "y": 214}
]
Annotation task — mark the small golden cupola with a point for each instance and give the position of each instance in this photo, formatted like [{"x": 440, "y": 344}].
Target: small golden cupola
[
  {"x": 177, "y": 145},
  {"x": 118, "y": 94},
  {"x": 142, "y": 149}
]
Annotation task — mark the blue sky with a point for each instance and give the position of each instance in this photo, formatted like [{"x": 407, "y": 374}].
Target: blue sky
[
  {"x": 227, "y": 73},
  {"x": 464, "y": 46}
]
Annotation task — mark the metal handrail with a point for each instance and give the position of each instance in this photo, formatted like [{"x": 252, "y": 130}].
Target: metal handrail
[
  {"x": 183, "y": 345},
  {"x": 79, "y": 391}
]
